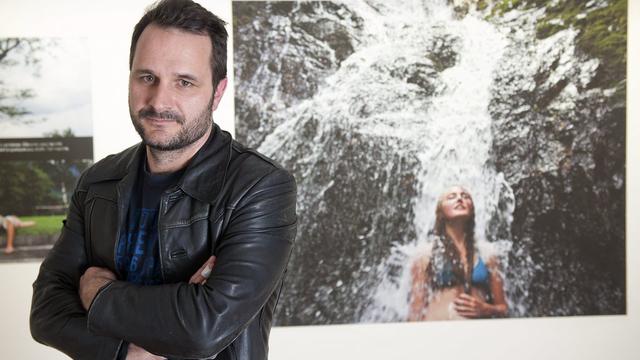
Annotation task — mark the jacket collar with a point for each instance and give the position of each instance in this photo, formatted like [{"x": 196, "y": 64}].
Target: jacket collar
[
  {"x": 204, "y": 177},
  {"x": 206, "y": 173}
]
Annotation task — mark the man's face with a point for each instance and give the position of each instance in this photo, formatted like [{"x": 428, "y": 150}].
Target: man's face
[{"x": 171, "y": 96}]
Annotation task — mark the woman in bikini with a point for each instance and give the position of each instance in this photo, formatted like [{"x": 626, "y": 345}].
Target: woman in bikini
[{"x": 452, "y": 281}]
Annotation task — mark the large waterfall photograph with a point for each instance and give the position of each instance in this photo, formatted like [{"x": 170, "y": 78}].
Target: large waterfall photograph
[{"x": 455, "y": 159}]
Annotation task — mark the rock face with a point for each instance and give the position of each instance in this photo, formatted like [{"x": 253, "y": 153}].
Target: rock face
[
  {"x": 561, "y": 144},
  {"x": 349, "y": 98},
  {"x": 310, "y": 39},
  {"x": 353, "y": 196}
]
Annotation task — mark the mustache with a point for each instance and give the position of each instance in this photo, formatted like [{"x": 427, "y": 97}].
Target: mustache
[{"x": 149, "y": 111}]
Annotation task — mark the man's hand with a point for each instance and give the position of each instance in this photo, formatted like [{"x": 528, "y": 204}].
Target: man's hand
[
  {"x": 201, "y": 276},
  {"x": 137, "y": 353},
  {"x": 91, "y": 281}
]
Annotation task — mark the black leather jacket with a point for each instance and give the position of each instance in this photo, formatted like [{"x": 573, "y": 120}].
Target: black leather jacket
[{"x": 231, "y": 202}]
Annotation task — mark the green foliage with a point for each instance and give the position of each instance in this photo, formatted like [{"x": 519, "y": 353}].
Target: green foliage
[
  {"x": 59, "y": 134},
  {"x": 63, "y": 172},
  {"x": 602, "y": 32},
  {"x": 504, "y": 6},
  {"x": 604, "y": 35},
  {"x": 23, "y": 186},
  {"x": 15, "y": 96},
  {"x": 544, "y": 29},
  {"x": 45, "y": 225}
]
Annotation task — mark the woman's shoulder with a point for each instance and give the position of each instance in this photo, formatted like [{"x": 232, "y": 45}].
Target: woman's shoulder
[
  {"x": 419, "y": 265},
  {"x": 421, "y": 259},
  {"x": 490, "y": 252},
  {"x": 491, "y": 261}
]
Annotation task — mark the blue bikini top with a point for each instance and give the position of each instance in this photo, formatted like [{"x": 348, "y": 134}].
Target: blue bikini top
[{"x": 447, "y": 277}]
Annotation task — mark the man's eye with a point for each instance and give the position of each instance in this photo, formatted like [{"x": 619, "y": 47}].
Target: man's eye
[
  {"x": 148, "y": 78},
  {"x": 185, "y": 83}
]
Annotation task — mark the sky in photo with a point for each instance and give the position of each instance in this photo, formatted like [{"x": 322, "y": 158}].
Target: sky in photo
[{"x": 61, "y": 83}]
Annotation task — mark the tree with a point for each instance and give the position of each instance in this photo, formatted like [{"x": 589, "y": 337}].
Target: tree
[
  {"x": 23, "y": 186},
  {"x": 63, "y": 173},
  {"x": 13, "y": 52}
]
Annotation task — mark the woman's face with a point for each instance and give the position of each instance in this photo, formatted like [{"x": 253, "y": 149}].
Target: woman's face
[{"x": 456, "y": 204}]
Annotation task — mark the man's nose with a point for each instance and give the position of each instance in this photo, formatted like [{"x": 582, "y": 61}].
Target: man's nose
[{"x": 160, "y": 97}]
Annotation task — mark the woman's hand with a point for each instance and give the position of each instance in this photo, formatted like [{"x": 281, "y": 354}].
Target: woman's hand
[{"x": 472, "y": 307}]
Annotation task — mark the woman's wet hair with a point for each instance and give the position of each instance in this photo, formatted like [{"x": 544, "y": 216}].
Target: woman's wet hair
[{"x": 444, "y": 247}]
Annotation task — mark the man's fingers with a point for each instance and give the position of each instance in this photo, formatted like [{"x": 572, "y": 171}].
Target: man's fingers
[
  {"x": 206, "y": 272},
  {"x": 201, "y": 276},
  {"x": 95, "y": 271},
  {"x": 210, "y": 262},
  {"x": 195, "y": 279}
]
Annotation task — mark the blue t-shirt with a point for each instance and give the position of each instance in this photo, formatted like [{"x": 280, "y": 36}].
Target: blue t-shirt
[{"x": 137, "y": 253}]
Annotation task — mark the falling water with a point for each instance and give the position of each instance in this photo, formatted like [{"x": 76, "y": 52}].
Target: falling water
[
  {"x": 416, "y": 88},
  {"x": 455, "y": 150}
]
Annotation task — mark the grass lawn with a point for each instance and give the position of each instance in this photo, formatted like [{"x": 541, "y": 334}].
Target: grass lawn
[{"x": 45, "y": 225}]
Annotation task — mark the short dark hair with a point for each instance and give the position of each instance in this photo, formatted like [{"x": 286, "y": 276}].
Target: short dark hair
[{"x": 188, "y": 16}]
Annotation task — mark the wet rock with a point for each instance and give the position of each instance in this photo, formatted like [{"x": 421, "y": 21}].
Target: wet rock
[
  {"x": 461, "y": 10},
  {"x": 422, "y": 74},
  {"x": 285, "y": 51},
  {"x": 328, "y": 158},
  {"x": 560, "y": 144},
  {"x": 443, "y": 51}
]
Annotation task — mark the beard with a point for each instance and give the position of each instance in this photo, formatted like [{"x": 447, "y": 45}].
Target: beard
[{"x": 189, "y": 132}]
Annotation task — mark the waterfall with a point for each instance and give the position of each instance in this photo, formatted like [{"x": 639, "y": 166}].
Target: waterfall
[
  {"x": 376, "y": 107},
  {"x": 455, "y": 141}
]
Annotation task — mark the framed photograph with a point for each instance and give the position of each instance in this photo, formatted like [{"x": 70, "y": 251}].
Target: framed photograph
[
  {"x": 385, "y": 110},
  {"x": 45, "y": 139}
]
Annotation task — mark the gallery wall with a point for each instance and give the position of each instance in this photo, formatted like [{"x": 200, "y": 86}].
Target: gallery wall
[{"x": 107, "y": 25}]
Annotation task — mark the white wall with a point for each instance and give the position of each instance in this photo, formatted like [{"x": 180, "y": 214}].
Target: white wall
[{"x": 108, "y": 24}]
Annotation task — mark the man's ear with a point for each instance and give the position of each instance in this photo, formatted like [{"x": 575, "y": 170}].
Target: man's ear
[{"x": 217, "y": 96}]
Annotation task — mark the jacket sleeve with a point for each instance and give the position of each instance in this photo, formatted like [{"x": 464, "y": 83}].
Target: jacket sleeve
[
  {"x": 57, "y": 317},
  {"x": 198, "y": 321}
]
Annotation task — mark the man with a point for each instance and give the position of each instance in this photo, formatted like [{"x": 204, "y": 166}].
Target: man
[{"x": 128, "y": 275}]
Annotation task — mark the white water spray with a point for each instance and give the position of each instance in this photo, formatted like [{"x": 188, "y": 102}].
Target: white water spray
[{"x": 456, "y": 144}]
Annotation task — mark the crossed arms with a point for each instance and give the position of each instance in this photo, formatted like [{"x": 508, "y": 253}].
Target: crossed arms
[{"x": 179, "y": 320}]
